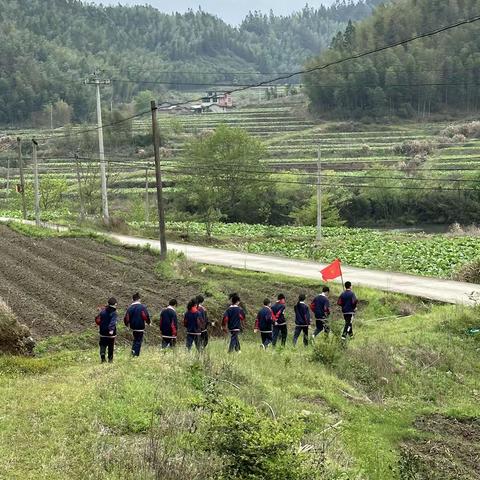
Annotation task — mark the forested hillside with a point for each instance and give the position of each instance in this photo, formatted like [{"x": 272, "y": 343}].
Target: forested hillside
[
  {"x": 440, "y": 73},
  {"x": 48, "y": 46}
]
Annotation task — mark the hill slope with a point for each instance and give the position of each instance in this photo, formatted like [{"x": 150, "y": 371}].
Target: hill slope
[
  {"x": 429, "y": 75},
  {"x": 398, "y": 402},
  {"x": 47, "y": 47}
]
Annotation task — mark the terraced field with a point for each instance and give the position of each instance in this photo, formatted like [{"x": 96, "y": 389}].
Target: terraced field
[{"x": 291, "y": 140}]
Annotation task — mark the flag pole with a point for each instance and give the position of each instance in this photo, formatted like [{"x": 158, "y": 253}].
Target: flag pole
[{"x": 341, "y": 275}]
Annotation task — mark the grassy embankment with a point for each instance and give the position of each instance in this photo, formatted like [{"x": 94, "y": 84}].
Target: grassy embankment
[{"x": 398, "y": 402}]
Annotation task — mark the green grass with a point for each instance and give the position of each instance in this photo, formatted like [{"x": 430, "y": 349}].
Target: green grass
[{"x": 66, "y": 416}]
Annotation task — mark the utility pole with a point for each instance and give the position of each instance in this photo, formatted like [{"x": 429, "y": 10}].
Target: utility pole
[
  {"x": 51, "y": 117},
  {"x": 319, "y": 195},
  {"x": 8, "y": 179},
  {"x": 158, "y": 175},
  {"x": 80, "y": 192},
  {"x": 147, "y": 203},
  {"x": 37, "y": 183},
  {"x": 22, "y": 178},
  {"x": 93, "y": 80}
]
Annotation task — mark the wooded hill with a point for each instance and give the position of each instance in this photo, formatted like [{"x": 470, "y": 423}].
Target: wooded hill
[
  {"x": 47, "y": 47},
  {"x": 438, "y": 73}
]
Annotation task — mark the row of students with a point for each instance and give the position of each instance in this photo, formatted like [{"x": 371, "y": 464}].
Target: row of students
[{"x": 270, "y": 321}]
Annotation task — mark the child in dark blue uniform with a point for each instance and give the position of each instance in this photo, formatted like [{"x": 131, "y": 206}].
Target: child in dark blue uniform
[
  {"x": 107, "y": 322},
  {"x": 233, "y": 322},
  {"x": 136, "y": 318},
  {"x": 321, "y": 309},
  {"x": 169, "y": 325},
  {"x": 279, "y": 321},
  {"x": 192, "y": 321},
  {"x": 302, "y": 320},
  {"x": 348, "y": 301},
  {"x": 264, "y": 323},
  {"x": 204, "y": 316}
]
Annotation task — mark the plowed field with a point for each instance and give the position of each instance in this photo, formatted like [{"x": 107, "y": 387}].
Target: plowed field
[{"x": 54, "y": 285}]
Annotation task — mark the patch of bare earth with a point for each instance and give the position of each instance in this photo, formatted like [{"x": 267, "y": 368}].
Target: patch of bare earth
[
  {"x": 449, "y": 451},
  {"x": 55, "y": 285}
]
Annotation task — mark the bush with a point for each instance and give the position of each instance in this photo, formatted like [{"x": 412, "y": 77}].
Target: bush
[
  {"x": 327, "y": 350},
  {"x": 470, "y": 272},
  {"x": 255, "y": 446},
  {"x": 14, "y": 338},
  {"x": 467, "y": 130},
  {"x": 414, "y": 147}
]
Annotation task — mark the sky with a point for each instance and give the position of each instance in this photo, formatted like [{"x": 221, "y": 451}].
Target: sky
[{"x": 232, "y": 11}]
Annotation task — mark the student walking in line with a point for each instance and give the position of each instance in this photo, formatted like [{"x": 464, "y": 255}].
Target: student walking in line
[
  {"x": 279, "y": 320},
  {"x": 302, "y": 320},
  {"x": 348, "y": 301},
  {"x": 107, "y": 322},
  {"x": 192, "y": 321},
  {"x": 169, "y": 325},
  {"x": 321, "y": 310},
  {"x": 233, "y": 322},
  {"x": 137, "y": 317},
  {"x": 264, "y": 323},
  {"x": 204, "y": 316}
]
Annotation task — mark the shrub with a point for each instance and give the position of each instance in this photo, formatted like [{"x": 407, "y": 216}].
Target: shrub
[
  {"x": 467, "y": 130},
  {"x": 327, "y": 350},
  {"x": 414, "y": 147},
  {"x": 14, "y": 338},
  {"x": 470, "y": 272},
  {"x": 254, "y": 446}
]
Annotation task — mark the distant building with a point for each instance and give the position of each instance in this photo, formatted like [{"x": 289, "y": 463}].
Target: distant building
[{"x": 214, "y": 102}]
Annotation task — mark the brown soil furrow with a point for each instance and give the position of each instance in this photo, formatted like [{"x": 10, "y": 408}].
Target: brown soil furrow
[
  {"x": 55, "y": 266},
  {"x": 29, "y": 308}
]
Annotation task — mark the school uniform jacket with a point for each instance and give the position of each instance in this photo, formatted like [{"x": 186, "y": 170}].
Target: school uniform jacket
[
  {"x": 107, "y": 321},
  {"x": 192, "y": 321},
  {"x": 233, "y": 318},
  {"x": 168, "y": 323},
  {"x": 278, "y": 310},
  {"x": 320, "y": 307},
  {"x": 302, "y": 315},
  {"x": 136, "y": 317},
  {"x": 204, "y": 317},
  {"x": 264, "y": 320},
  {"x": 348, "y": 301}
]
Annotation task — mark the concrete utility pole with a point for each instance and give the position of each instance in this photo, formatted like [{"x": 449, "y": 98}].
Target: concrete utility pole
[
  {"x": 80, "y": 192},
  {"x": 8, "y": 179},
  {"x": 158, "y": 174},
  {"x": 22, "y": 178},
  {"x": 93, "y": 80},
  {"x": 319, "y": 195},
  {"x": 37, "y": 183},
  {"x": 147, "y": 202}
]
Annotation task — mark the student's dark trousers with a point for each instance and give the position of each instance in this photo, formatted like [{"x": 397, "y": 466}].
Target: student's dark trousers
[
  {"x": 234, "y": 342},
  {"x": 279, "y": 330},
  {"x": 204, "y": 338},
  {"x": 298, "y": 330},
  {"x": 169, "y": 342},
  {"x": 193, "y": 339},
  {"x": 321, "y": 325},
  {"x": 137, "y": 343},
  {"x": 348, "y": 329},
  {"x": 107, "y": 343},
  {"x": 267, "y": 338}
]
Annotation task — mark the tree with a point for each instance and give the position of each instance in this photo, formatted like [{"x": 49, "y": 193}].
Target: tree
[
  {"x": 226, "y": 177},
  {"x": 307, "y": 215}
]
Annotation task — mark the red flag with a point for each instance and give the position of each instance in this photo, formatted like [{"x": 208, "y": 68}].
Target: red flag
[{"x": 334, "y": 270}]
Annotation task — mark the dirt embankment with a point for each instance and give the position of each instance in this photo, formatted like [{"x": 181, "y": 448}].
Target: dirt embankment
[{"x": 55, "y": 285}]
